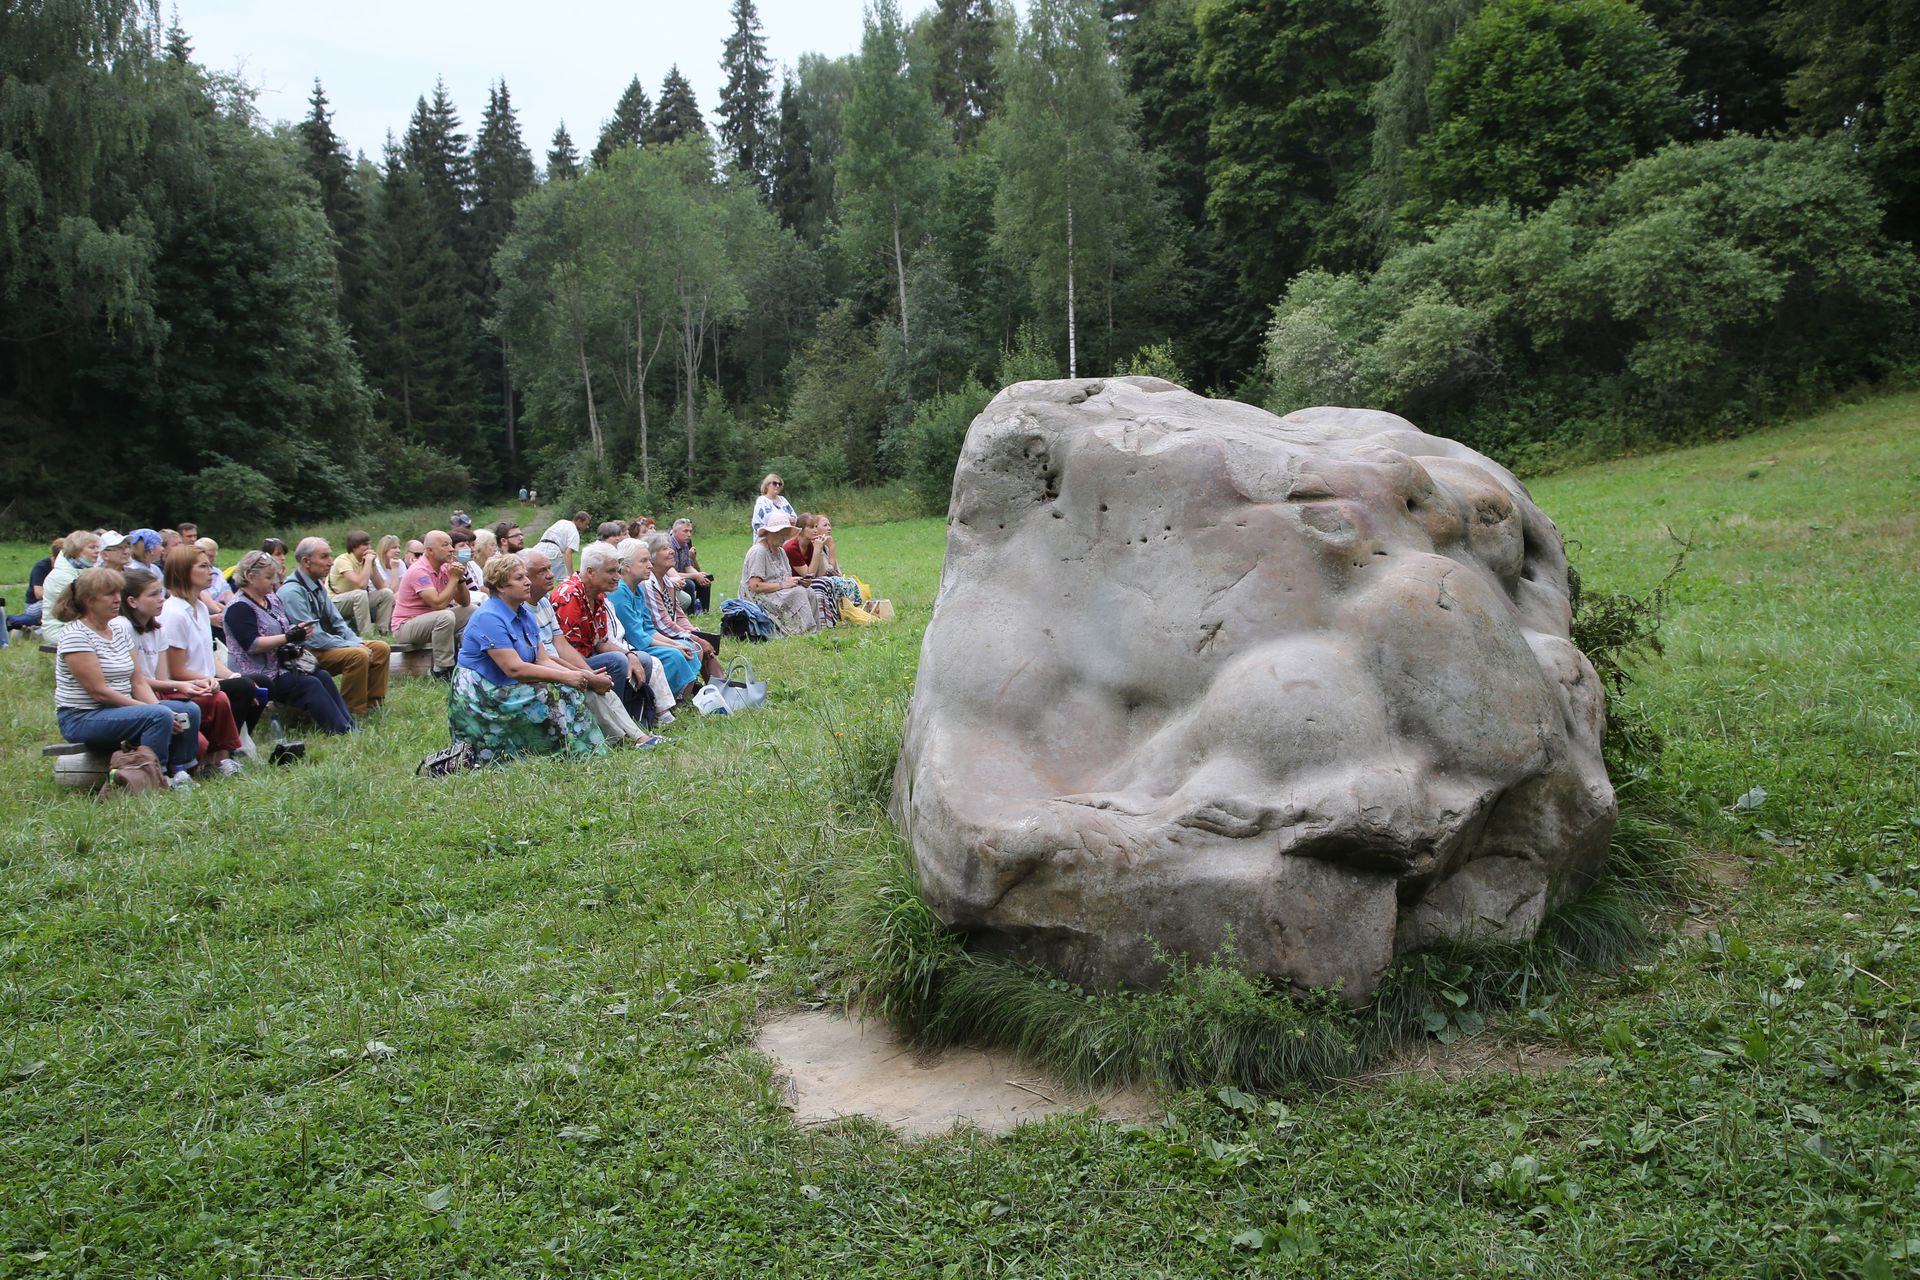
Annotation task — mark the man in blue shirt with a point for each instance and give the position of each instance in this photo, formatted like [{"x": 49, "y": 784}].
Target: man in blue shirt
[
  {"x": 36, "y": 590},
  {"x": 359, "y": 665}
]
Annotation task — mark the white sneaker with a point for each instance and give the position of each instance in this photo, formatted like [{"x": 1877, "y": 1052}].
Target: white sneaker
[
  {"x": 229, "y": 767},
  {"x": 181, "y": 782},
  {"x": 664, "y": 719}
]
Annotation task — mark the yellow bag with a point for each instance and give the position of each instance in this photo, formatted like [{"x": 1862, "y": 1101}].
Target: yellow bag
[
  {"x": 851, "y": 612},
  {"x": 866, "y": 592}
]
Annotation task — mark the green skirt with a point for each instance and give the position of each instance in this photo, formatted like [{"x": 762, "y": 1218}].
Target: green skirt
[{"x": 499, "y": 721}]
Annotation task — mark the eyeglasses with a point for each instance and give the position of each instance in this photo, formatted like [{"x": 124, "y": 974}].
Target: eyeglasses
[{"x": 778, "y": 484}]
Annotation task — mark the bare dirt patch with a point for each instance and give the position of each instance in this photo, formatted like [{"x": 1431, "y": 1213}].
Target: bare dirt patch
[
  {"x": 832, "y": 1067},
  {"x": 1477, "y": 1056}
]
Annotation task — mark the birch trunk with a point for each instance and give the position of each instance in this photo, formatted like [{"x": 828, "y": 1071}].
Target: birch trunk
[
  {"x": 900, "y": 273},
  {"x": 640, "y": 383},
  {"x": 1073, "y": 349},
  {"x": 593, "y": 414}
]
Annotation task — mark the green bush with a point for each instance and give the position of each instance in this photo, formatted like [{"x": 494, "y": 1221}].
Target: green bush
[
  {"x": 231, "y": 495},
  {"x": 1155, "y": 361},
  {"x": 934, "y": 439},
  {"x": 420, "y": 476},
  {"x": 1704, "y": 289}
]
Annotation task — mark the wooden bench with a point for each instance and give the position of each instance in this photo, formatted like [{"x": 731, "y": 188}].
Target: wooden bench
[
  {"x": 409, "y": 659},
  {"x": 77, "y": 765}
]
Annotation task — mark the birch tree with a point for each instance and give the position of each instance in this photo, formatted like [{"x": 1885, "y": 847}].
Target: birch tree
[{"x": 1067, "y": 153}]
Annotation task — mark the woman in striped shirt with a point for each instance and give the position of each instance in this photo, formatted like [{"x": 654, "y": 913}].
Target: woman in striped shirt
[{"x": 99, "y": 696}]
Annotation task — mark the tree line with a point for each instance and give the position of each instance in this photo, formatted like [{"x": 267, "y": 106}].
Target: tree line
[{"x": 1539, "y": 225}]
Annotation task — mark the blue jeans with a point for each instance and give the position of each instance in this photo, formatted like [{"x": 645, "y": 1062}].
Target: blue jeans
[
  {"x": 28, "y": 617},
  {"x": 637, "y": 699},
  {"x": 149, "y": 724}
]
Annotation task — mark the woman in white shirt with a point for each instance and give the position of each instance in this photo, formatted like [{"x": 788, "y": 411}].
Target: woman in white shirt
[
  {"x": 772, "y": 498},
  {"x": 187, "y": 635},
  {"x": 99, "y": 696},
  {"x": 141, "y": 598}
]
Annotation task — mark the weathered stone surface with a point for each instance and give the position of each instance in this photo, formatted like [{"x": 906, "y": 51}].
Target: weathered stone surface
[{"x": 1198, "y": 673}]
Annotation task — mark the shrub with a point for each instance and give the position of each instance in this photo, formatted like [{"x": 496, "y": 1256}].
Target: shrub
[
  {"x": 1705, "y": 288},
  {"x": 231, "y": 495},
  {"x": 1155, "y": 361},
  {"x": 420, "y": 476},
  {"x": 934, "y": 440}
]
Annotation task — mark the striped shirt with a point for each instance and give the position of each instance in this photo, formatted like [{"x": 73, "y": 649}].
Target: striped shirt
[{"x": 115, "y": 652}]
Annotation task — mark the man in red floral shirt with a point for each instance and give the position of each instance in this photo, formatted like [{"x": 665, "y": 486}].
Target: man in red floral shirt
[{"x": 586, "y": 620}]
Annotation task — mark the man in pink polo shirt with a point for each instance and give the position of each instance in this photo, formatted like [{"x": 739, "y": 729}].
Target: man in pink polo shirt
[{"x": 431, "y": 605}]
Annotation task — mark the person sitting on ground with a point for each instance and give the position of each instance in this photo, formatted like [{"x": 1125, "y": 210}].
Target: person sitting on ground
[
  {"x": 358, "y": 587},
  {"x": 772, "y": 499},
  {"x": 581, "y": 606},
  {"x": 432, "y": 605},
  {"x": 37, "y": 589},
  {"x": 560, "y": 544},
  {"x": 186, "y": 631},
  {"x": 811, "y": 553},
  {"x": 259, "y": 634},
  {"x": 769, "y": 581},
  {"x": 510, "y": 537},
  {"x": 278, "y": 550},
  {"x": 99, "y": 696},
  {"x": 79, "y": 551},
  {"x": 507, "y": 700},
  {"x": 560, "y": 650},
  {"x": 680, "y": 658},
  {"x": 687, "y": 573},
  {"x": 669, "y": 619},
  {"x": 359, "y": 665},
  {"x": 484, "y": 547},
  {"x": 141, "y": 599},
  {"x": 144, "y": 546}
]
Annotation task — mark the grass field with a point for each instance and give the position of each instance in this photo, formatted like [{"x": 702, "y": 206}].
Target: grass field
[{"x": 338, "y": 1022}]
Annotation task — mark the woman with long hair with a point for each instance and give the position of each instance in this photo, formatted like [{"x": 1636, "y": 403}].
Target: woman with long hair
[{"x": 141, "y": 600}]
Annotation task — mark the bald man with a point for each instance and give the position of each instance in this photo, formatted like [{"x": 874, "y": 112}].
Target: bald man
[{"x": 431, "y": 606}]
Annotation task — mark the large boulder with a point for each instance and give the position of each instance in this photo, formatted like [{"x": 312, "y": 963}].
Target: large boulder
[{"x": 1297, "y": 692}]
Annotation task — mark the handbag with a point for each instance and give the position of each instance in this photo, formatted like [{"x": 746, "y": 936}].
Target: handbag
[
  {"x": 455, "y": 759},
  {"x": 133, "y": 769},
  {"x": 743, "y": 691}
]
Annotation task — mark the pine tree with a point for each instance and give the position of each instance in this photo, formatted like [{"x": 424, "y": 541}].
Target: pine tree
[
  {"x": 960, "y": 34},
  {"x": 1291, "y": 133},
  {"x": 792, "y": 162},
  {"x": 178, "y": 48},
  {"x": 746, "y": 100},
  {"x": 563, "y": 160},
  {"x": 435, "y": 151},
  {"x": 341, "y": 202},
  {"x": 677, "y": 115},
  {"x": 627, "y": 127},
  {"x": 502, "y": 174},
  {"x": 421, "y": 355}
]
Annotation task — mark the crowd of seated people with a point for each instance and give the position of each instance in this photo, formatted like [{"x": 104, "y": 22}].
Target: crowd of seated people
[{"x": 154, "y": 644}]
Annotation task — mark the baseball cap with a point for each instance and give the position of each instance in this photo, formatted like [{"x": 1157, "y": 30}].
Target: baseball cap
[{"x": 111, "y": 538}]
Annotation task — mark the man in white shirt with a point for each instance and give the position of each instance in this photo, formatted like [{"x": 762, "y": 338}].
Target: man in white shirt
[{"x": 560, "y": 544}]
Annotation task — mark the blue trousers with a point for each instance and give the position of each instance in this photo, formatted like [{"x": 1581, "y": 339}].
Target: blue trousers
[
  {"x": 315, "y": 694},
  {"x": 28, "y": 617},
  {"x": 148, "y": 724},
  {"x": 637, "y": 699}
]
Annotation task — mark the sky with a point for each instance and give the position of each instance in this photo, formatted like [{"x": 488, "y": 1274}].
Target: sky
[{"x": 562, "y": 60}]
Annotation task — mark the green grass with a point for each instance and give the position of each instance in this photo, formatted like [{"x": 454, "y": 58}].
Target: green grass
[{"x": 566, "y": 963}]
